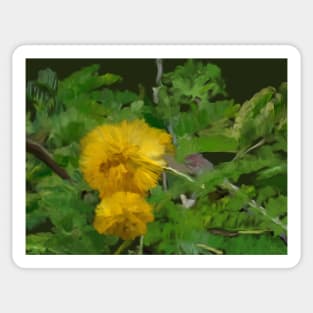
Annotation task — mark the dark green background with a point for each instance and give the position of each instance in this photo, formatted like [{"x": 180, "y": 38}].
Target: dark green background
[{"x": 243, "y": 77}]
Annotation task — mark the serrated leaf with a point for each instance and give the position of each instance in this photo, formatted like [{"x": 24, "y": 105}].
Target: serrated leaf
[
  {"x": 249, "y": 245},
  {"x": 83, "y": 81},
  {"x": 276, "y": 206}
]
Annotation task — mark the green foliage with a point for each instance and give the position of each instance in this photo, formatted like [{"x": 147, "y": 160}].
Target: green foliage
[
  {"x": 70, "y": 214},
  {"x": 249, "y": 244},
  {"x": 196, "y": 80},
  {"x": 210, "y": 143},
  {"x": 41, "y": 93},
  {"x": 238, "y": 207}
]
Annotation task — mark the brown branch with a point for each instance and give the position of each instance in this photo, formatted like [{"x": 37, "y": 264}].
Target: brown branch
[
  {"x": 42, "y": 154},
  {"x": 234, "y": 233},
  {"x": 222, "y": 232}
]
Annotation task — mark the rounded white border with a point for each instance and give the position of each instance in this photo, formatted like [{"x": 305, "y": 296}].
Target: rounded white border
[{"x": 156, "y": 51}]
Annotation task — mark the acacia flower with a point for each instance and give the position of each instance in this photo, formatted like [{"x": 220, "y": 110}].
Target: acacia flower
[
  {"x": 124, "y": 214},
  {"x": 127, "y": 156}
]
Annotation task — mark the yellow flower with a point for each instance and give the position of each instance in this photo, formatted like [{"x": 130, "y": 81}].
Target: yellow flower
[
  {"x": 127, "y": 156},
  {"x": 124, "y": 214}
]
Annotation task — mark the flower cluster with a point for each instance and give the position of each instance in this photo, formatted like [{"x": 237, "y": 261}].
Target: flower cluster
[{"x": 123, "y": 161}]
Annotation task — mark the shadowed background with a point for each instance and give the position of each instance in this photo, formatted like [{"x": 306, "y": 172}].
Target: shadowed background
[{"x": 243, "y": 77}]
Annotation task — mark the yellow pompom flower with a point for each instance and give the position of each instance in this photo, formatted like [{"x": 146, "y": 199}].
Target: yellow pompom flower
[
  {"x": 124, "y": 214},
  {"x": 127, "y": 156}
]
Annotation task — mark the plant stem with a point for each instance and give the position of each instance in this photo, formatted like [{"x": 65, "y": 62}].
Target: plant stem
[
  {"x": 140, "y": 250},
  {"x": 123, "y": 246},
  {"x": 233, "y": 188},
  {"x": 208, "y": 248},
  {"x": 42, "y": 154},
  {"x": 234, "y": 233},
  {"x": 164, "y": 181},
  {"x": 275, "y": 220},
  {"x": 252, "y": 231},
  {"x": 159, "y": 64},
  {"x": 252, "y": 203},
  {"x": 172, "y": 170},
  {"x": 241, "y": 154}
]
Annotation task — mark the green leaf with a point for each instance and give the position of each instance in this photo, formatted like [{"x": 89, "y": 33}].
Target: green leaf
[
  {"x": 255, "y": 117},
  {"x": 35, "y": 219},
  {"x": 273, "y": 171},
  {"x": 136, "y": 106},
  {"x": 29, "y": 125},
  {"x": 108, "y": 79},
  {"x": 37, "y": 243},
  {"x": 208, "y": 116},
  {"x": 215, "y": 143},
  {"x": 69, "y": 127},
  {"x": 196, "y": 80},
  {"x": 48, "y": 79},
  {"x": 84, "y": 81},
  {"x": 276, "y": 207},
  {"x": 67, "y": 155},
  {"x": 249, "y": 245},
  {"x": 265, "y": 193}
]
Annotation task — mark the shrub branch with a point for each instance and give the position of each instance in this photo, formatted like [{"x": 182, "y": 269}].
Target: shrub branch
[{"x": 42, "y": 154}]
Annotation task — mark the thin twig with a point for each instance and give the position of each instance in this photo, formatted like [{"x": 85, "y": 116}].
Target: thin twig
[
  {"x": 159, "y": 64},
  {"x": 42, "y": 154},
  {"x": 123, "y": 246},
  {"x": 210, "y": 249},
  {"x": 252, "y": 203},
  {"x": 140, "y": 250},
  {"x": 253, "y": 231},
  {"x": 234, "y": 233},
  {"x": 164, "y": 181},
  {"x": 275, "y": 220},
  {"x": 178, "y": 173},
  {"x": 258, "y": 144},
  {"x": 233, "y": 188}
]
